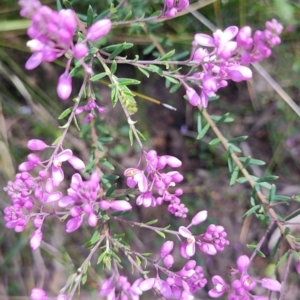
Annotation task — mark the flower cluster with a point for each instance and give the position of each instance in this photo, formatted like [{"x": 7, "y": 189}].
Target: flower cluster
[
  {"x": 52, "y": 36},
  {"x": 29, "y": 194},
  {"x": 179, "y": 285},
  {"x": 90, "y": 107},
  {"x": 232, "y": 49},
  {"x": 118, "y": 287},
  {"x": 152, "y": 177},
  {"x": 172, "y": 7},
  {"x": 210, "y": 242},
  {"x": 241, "y": 287}
]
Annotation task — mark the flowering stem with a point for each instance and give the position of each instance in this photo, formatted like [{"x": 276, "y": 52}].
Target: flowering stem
[
  {"x": 72, "y": 115},
  {"x": 235, "y": 158},
  {"x": 81, "y": 270}
]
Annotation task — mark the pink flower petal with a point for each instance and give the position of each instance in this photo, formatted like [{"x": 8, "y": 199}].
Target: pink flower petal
[{"x": 183, "y": 231}]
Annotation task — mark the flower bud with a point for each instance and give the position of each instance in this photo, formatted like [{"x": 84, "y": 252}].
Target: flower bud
[
  {"x": 33, "y": 158},
  {"x": 37, "y": 294},
  {"x": 92, "y": 220},
  {"x": 98, "y": 30},
  {"x": 243, "y": 263},
  {"x": 26, "y": 166},
  {"x": 199, "y": 217},
  {"x": 76, "y": 163},
  {"x": 73, "y": 224},
  {"x": 173, "y": 162},
  {"x": 271, "y": 284},
  {"x": 104, "y": 204},
  {"x": 193, "y": 97},
  {"x": 169, "y": 261},
  {"x": 80, "y": 50},
  {"x": 36, "y": 239},
  {"x": 75, "y": 211},
  {"x": 64, "y": 86},
  {"x": 239, "y": 73},
  {"x": 120, "y": 205},
  {"x": 36, "y": 145},
  {"x": 166, "y": 248}
]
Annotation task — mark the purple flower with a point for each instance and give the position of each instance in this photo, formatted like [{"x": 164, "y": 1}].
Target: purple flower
[
  {"x": 98, "y": 30},
  {"x": 57, "y": 173},
  {"x": 219, "y": 287},
  {"x": 191, "y": 241},
  {"x": 64, "y": 86}
]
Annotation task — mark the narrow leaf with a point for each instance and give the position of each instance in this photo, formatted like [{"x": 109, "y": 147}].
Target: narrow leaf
[
  {"x": 202, "y": 133},
  {"x": 160, "y": 233}
]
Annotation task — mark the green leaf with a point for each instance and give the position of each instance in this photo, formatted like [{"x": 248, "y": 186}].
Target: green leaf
[
  {"x": 234, "y": 176},
  {"x": 274, "y": 250},
  {"x": 160, "y": 233},
  {"x": 202, "y": 133},
  {"x": 233, "y": 148},
  {"x": 140, "y": 135},
  {"x": 260, "y": 253},
  {"x": 242, "y": 180},
  {"x": 238, "y": 139},
  {"x": 250, "y": 246},
  {"x": 199, "y": 122},
  {"x": 115, "y": 256},
  {"x": 98, "y": 76},
  {"x": 114, "y": 96},
  {"x": 155, "y": 69},
  {"x": 64, "y": 126},
  {"x": 110, "y": 190},
  {"x": 131, "y": 136},
  {"x": 272, "y": 193},
  {"x": 112, "y": 48},
  {"x": 65, "y": 113},
  {"x": 128, "y": 81},
  {"x": 149, "y": 49},
  {"x": 171, "y": 79},
  {"x": 101, "y": 257},
  {"x": 108, "y": 165},
  {"x": 113, "y": 67},
  {"x": 175, "y": 88},
  {"x": 94, "y": 239},
  {"x": 283, "y": 259},
  {"x": 144, "y": 72},
  {"x": 281, "y": 198},
  {"x": 138, "y": 260},
  {"x": 251, "y": 211},
  {"x": 119, "y": 49},
  {"x": 152, "y": 222},
  {"x": 267, "y": 178},
  {"x": 110, "y": 177},
  {"x": 252, "y": 161},
  {"x": 167, "y": 55},
  {"x": 128, "y": 16},
  {"x": 230, "y": 164},
  {"x": 220, "y": 119},
  {"x": 76, "y": 123},
  {"x": 214, "y": 141},
  {"x": 90, "y": 16}
]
